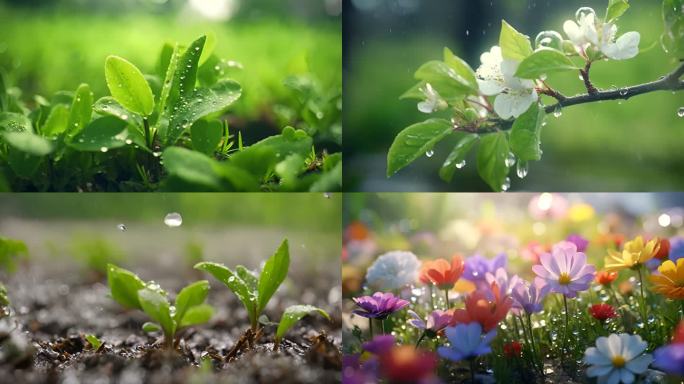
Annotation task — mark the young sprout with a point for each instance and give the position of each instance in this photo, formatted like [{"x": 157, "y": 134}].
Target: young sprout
[
  {"x": 94, "y": 341},
  {"x": 11, "y": 251},
  {"x": 254, "y": 293},
  {"x": 189, "y": 309}
]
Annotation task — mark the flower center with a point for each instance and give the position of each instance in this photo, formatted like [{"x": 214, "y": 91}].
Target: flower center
[
  {"x": 618, "y": 361},
  {"x": 564, "y": 278}
]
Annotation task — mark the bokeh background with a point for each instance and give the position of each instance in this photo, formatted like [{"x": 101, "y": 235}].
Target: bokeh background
[
  {"x": 52, "y": 45},
  {"x": 635, "y": 145}
]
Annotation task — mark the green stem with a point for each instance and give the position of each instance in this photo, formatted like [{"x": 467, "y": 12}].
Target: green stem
[
  {"x": 432, "y": 299},
  {"x": 565, "y": 330},
  {"x": 382, "y": 323},
  {"x": 446, "y": 296},
  {"x": 644, "y": 318},
  {"x": 472, "y": 370},
  {"x": 370, "y": 327},
  {"x": 682, "y": 304},
  {"x": 422, "y": 336},
  {"x": 148, "y": 138},
  {"x": 535, "y": 356}
]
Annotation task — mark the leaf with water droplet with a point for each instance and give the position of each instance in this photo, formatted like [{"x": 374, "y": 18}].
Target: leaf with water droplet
[
  {"x": 156, "y": 306},
  {"x": 273, "y": 274},
  {"x": 57, "y": 121},
  {"x": 543, "y": 62},
  {"x": 124, "y": 286},
  {"x": 190, "y": 296},
  {"x": 106, "y": 132},
  {"x": 81, "y": 110},
  {"x": 128, "y": 86},
  {"x": 514, "y": 45},
  {"x": 525, "y": 139},
  {"x": 414, "y": 141},
  {"x": 293, "y": 314},
  {"x": 615, "y": 9},
  {"x": 457, "y": 156},
  {"x": 491, "y": 159},
  {"x": 15, "y": 122},
  {"x": 234, "y": 283}
]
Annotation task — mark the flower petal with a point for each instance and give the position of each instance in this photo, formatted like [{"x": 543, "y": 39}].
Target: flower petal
[
  {"x": 640, "y": 364},
  {"x": 625, "y": 47}
]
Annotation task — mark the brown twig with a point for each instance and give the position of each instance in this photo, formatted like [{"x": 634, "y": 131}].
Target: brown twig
[{"x": 587, "y": 82}]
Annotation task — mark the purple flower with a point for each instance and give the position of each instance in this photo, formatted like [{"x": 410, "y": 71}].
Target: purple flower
[
  {"x": 436, "y": 321},
  {"x": 476, "y": 268},
  {"x": 380, "y": 344},
  {"x": 378, "y": 306},
  {"x": 579, "y": 241},
  {"x": 467, "y": 341},
  {"x": 676, "y": 248},
  {"x": 353, "y": 372},
  {"x": 564, "y": 270},
  {"x": 529, "y": 296},
  {"x": 670, "y": 359}
]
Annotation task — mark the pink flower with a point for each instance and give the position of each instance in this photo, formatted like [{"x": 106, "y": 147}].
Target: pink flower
[
  {"x": 564, "y": 270},
  {"x": 435, "y": 322},
  {"x": 529, "y": 296}
]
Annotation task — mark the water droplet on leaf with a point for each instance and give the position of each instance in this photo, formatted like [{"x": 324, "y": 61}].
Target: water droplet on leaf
[
  {"x": 173, "y": 219},
  {"x": 429, "y": 153}
]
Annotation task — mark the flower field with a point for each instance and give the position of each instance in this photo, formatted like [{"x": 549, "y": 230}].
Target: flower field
[{"x": 530, "y": 288}]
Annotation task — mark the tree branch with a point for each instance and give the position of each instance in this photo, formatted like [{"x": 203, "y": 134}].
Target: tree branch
[{"x": 669, "y": 82}]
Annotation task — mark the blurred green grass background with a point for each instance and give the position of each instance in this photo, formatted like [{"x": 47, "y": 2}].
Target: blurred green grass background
[
  {"x": 51, "y": 45},
  {"x": 634, "y": 145}
]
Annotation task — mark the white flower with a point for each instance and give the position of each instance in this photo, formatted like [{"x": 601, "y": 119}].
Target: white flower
[
  {"x": 433, "y": 101},
  {"x": 588, "y": 31},
  {"x": 393, "y": 270},
  {"x": 495, "y": 77},
  {"x": 617, "y": 358}
]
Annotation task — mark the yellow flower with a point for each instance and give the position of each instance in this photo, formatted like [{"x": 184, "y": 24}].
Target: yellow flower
[
  {"x": 633, "y": 255},
  {"x": 670, "y": 282}
]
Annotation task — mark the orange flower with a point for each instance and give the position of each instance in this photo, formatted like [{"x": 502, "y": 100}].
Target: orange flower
[
  {"x": 357, "y": 230},
  {"x": 664, "y": 249},
  {"x": 670, "y": 282},
  {"x": 422, "y": 276},
  {"x": 480, "y": 309},
  {"x": 605, "y": 277},
  {"x": 444, "y": 274}
]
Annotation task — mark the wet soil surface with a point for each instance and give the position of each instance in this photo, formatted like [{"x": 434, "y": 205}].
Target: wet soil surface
[{"x": 54, "y": 307}]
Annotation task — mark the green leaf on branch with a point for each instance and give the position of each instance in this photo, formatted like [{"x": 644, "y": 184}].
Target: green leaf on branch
[
  {"x": 81, "y": 110},
  {"x": 457, "y": 156},
  {"x": 295, "y": 313},
  {"x": 150, "y": 327},
  {"x": 491, "y": 159},
  {"x": 414, "y": 141},
  {"x": 101, "y": 135},
  {"x": 672, "y": 39},
  {"x": 192, "y": 167},
  {"x": 128, "y": 86},
  {"x": 461, "y": 68},
  {"x": 450, "y": 85},
  {"x": 514, "y": 45},
  {"x": 414, "y": 92},
  {"x": 29, "y": 143},
  {"x": 57, "y": 121},
  {"x": 615, "y": 9},
  {"x": 273, "y": 274},
  {"x": 543, "y": 62},
  {"x": 185, "y": 75},
  {"x": 109, "y": 106},
  {"x": 525, "y": 134},
  {"x": 124, "y": 286}
]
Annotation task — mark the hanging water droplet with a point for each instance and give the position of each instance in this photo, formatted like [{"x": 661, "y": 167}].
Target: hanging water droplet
[
  {"x": 521, "y": 169},
  {"x": 327, "y": 195},
  {"x": 622, "y": 92},
  {"x": 506, "y": 184},
  {"x": 122, "y": 227},
  {"x": 429, "y": 153},
  {"x": 558, "y": 111},
  {"x": 680, "y": 112},
  {"x": 173, "y": 219},
  {"x": 583, "y": 12},
  {"x": 129, "y": 141},
  {"x": 156, "y": 154},
  {"x": 104, "y": 149},
  {"x": 461, "y": 164},
  {"x": 550, "y": 39},
  {"x": 467, "y": 32},
  {"x": 510, "y": 159}
]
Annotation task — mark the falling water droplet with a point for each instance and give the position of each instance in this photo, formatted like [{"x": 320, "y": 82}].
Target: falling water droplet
[
  {"x": 173, "y": 219},
  {"x": 510, "y": 159},
  {"x": 506, "y": 184},
  {"x": 467, "y": 32},
  {"x": 521, "y": 169},
  {"x": 327, "y": 195},
  {"x": 429, "y": 153},
  {"x": 122, "y": 227}
]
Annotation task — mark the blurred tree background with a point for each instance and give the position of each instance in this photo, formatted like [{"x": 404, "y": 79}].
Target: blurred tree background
[
  {"x": 52, "y": 45},
  {"x": 633, "y": 145}
]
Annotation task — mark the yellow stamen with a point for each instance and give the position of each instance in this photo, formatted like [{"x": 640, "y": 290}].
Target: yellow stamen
[
  {"x": 618, "y": 361},
  {"x": 564, "y": 279}
]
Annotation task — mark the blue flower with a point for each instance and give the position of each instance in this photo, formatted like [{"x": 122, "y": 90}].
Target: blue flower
[{"x": 467, "y": 341}]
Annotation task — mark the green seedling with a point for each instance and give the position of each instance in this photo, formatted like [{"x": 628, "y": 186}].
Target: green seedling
[
  {"x": 189, "y": 308},
  {"x": 11, "y": 251},
  {"x": 94, "y": 341},
  {"x": 255, "y": 292}
]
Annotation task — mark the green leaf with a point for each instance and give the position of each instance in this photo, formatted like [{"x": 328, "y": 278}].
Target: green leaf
[
  {"x": 329, "y": 180},
  {"x": 208, "y": 49},
  {"x": 460, "y": 67},
  {"x": 11, "y": 251},
  {"x": 203, "y": 102},
  {"x": 157, "y": 307},
  {"x": 190, "y": 296},
  {"x": 457, "y": 156},
  {"x": 238, "y": 178},
  {"x": 94, "y": 341},
  {"x": 110, "y": 107},
  {"x": 289, "y": 169},
  {"x": 248, "y": 277},
  {"x": 185, "y": 75},
  {"x": 615, "y": 9},
  {"x": 106, "y": 132},
  {"x": 128, "y": 86},
  {"x": 23, "y": 164},
  {"x": 198, "y": 314},
  {"x": 414, "y": 141},
  {"x": 450, "y": 85},
  {"x": 273, "y": 274},
  {"x": 15, "y": 122},
  {"x": 206, "y": 135},
  {"x": 293, "y": 314},
  {"x": 514, "y": 45},
  {"x": 168, "y": 82},
  {"x": 192, "y": 167},
  {"x": 526, "y": 132},
  {"x": 414, "y": 92},
  {"x": 234, "y": 283},
  {"x": 57, "y": 121},
  {"x": 150, "y": 327},
  {"x": 124, "y": 286},
  {"x": 672, "y": 39},
  {"x": 81, "y": 110},
  {"x": 543, "y": 62},
  {"x": 29, "y": 143},
  {"x": 491, "y": 159}
]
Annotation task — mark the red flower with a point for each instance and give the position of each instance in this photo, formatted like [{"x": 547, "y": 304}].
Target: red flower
[
  {"x": 480, "y": 309},
  {"x": 512, "y": 349},
  {"x": 356, "y": 230},
  {"x": 602, "y": 312},
  {"x": 678, "y": 337},
  {"x": 442, "y": 273},
  {"x": 605, "y": 277},
  {"x": 664, "y": 249},
  {"x": 404, "y": 364}
]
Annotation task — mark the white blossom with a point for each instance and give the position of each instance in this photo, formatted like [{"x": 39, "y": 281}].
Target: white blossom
[
  {"x": 589, "y": 31},
  {"x": 617, "y": 358},
  {"x": 393, "y": 270},
  {"x": 432, "y": 102}
]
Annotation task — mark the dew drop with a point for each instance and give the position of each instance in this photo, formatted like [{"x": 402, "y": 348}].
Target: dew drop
[
  {"x": 429, "y": 153},
  {"x": 583, "y": 12},
  {"x": 622, "y": 92},
  {"x": 156, "y": 154},
  {"x": 680, "y": 112},
  {"x": 521, "y": 169},
  {"x": 506, "y": 184},
  {"x": 467, "y": 32},
  {"x": 129, "y": 141},
  {"x": 327, "y": 195},
  {"x": 461, "y": 164},
  {"x": 173, "y": 219},
  {"x": 104, "y": 149},
  {"x": 558, "y": 111},
  {"x": 122, "y": 227},
  {"x": 510, "y": 159}
]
